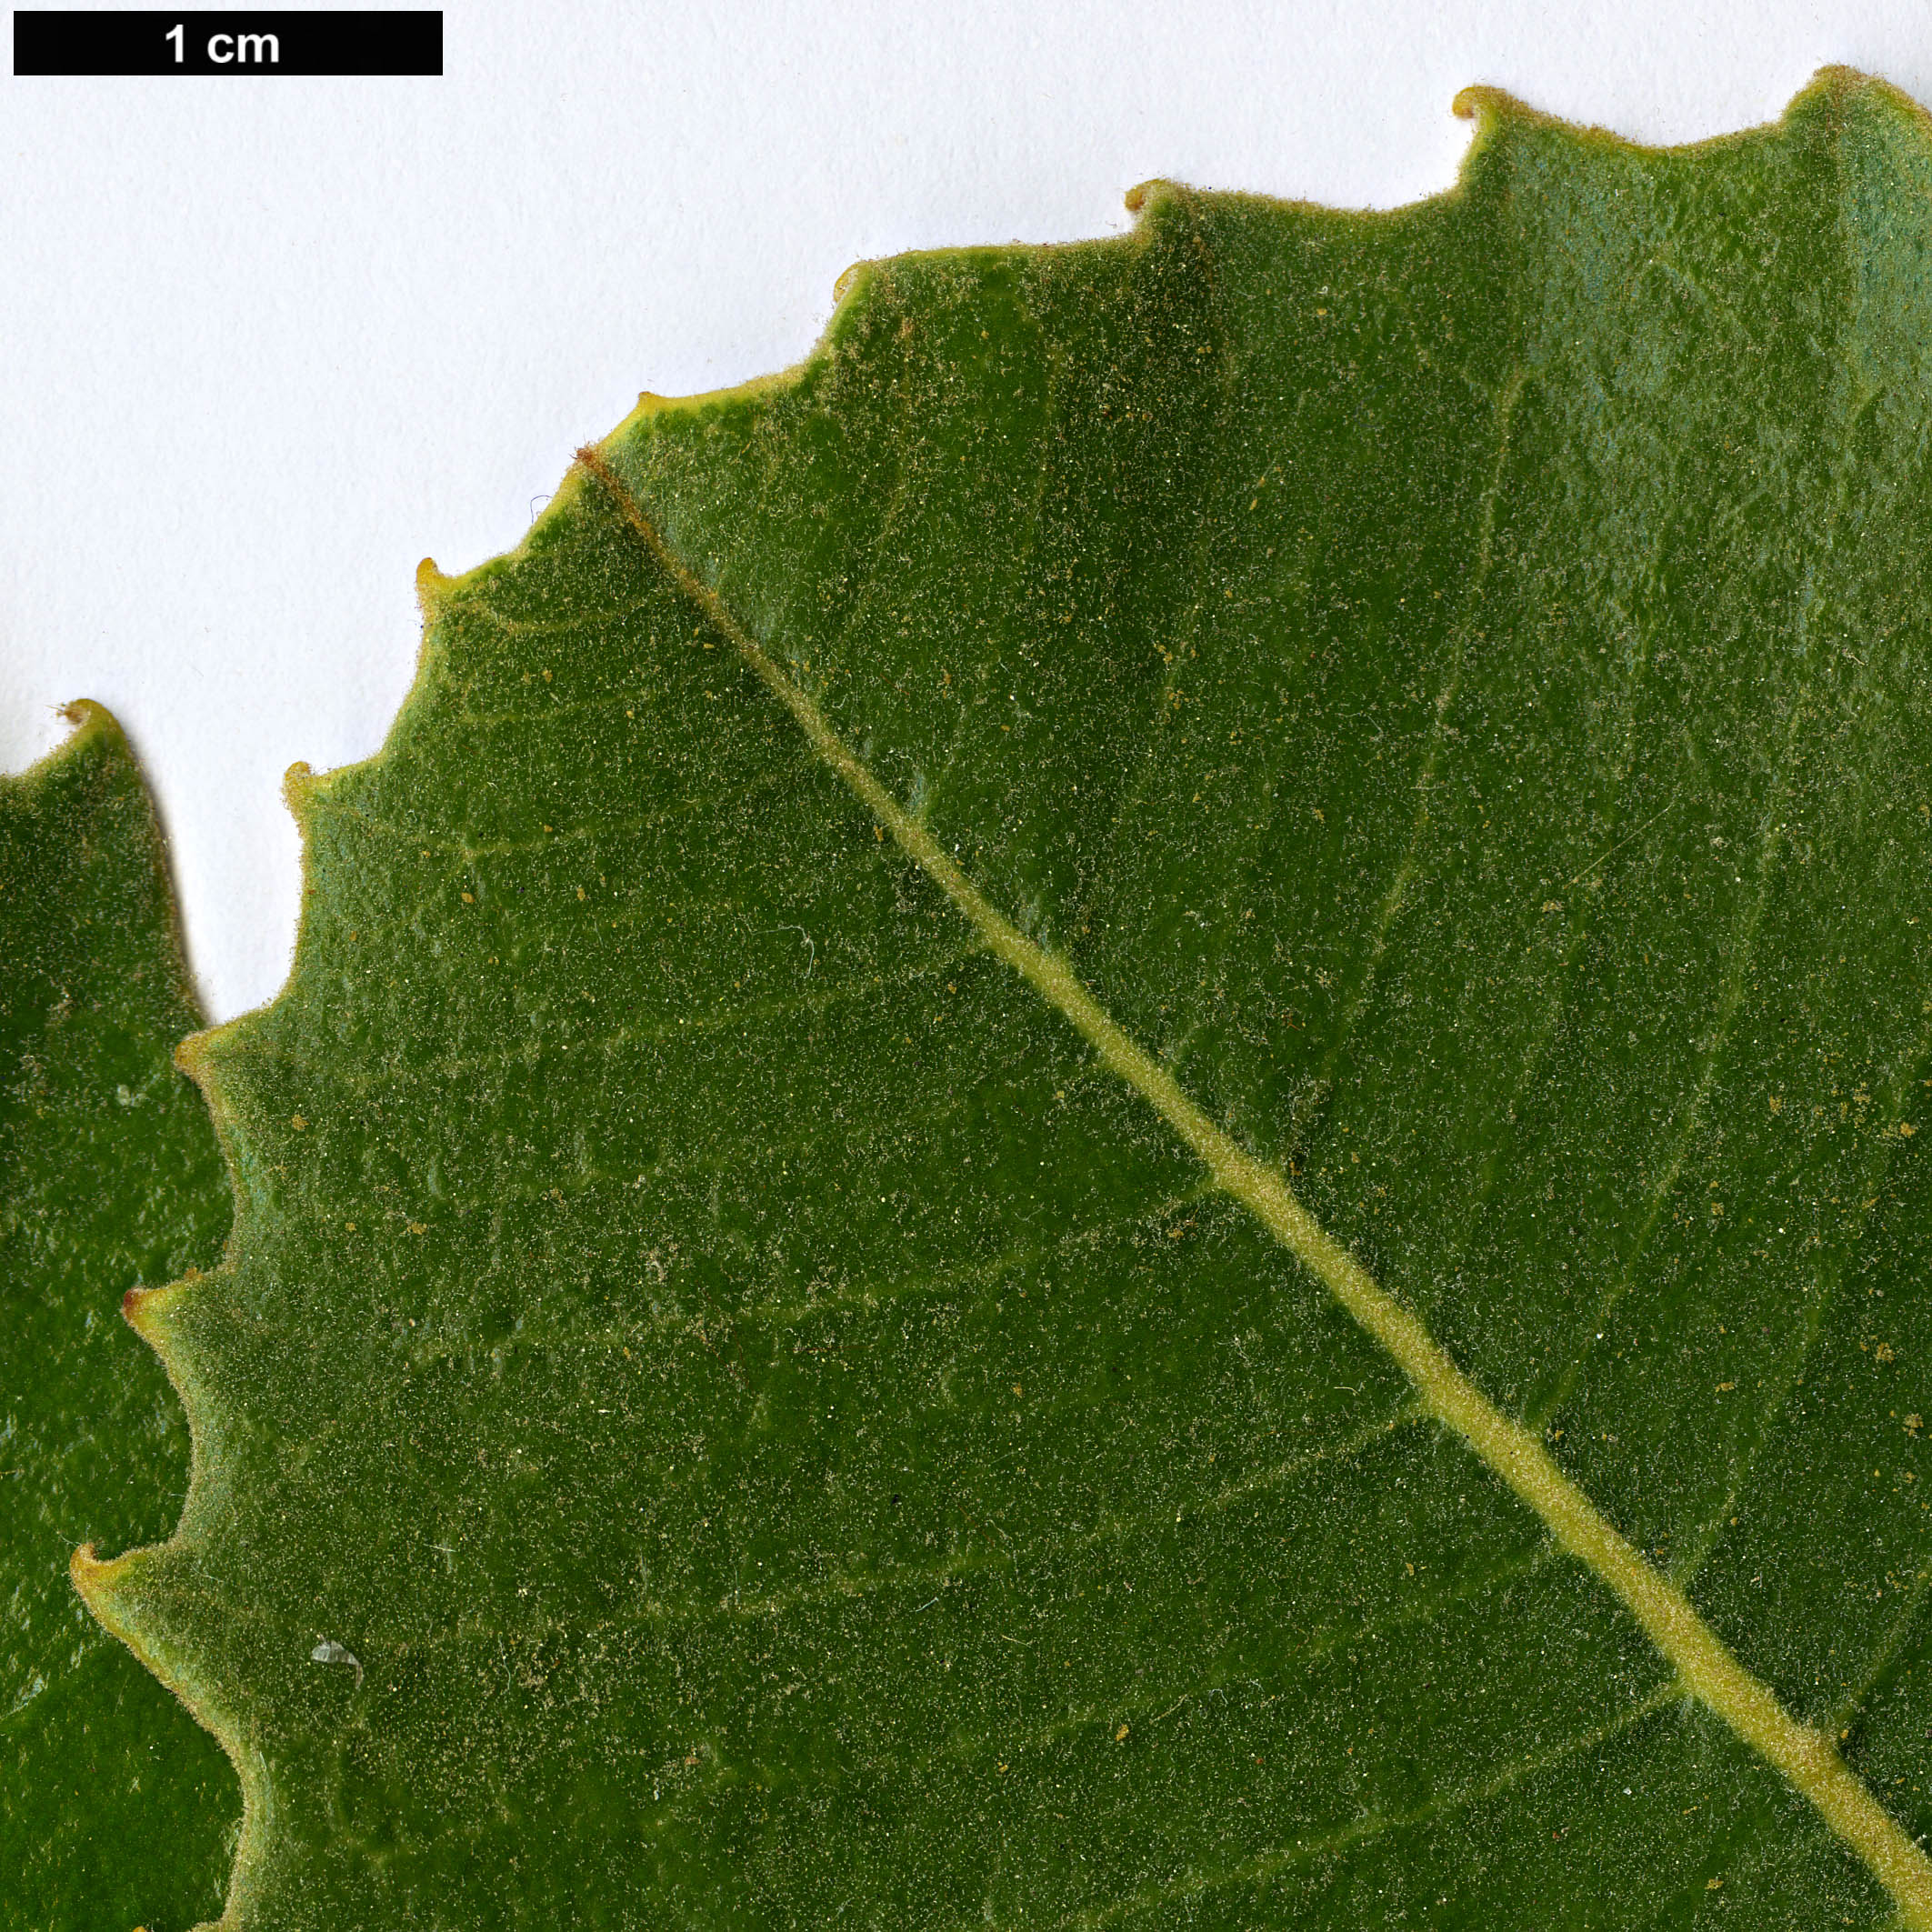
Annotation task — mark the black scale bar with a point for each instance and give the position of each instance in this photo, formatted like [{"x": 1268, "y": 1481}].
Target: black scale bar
[{"x": 241, "y": 43}]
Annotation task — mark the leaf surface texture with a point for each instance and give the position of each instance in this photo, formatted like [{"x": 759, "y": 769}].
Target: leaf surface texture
[
  {"x": 115, "y": 1806},
  {"x": 732, "y": 1404}
]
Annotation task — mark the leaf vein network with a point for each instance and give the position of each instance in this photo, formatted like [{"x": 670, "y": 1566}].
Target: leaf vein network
[{"x": 1708, "y": 1668}]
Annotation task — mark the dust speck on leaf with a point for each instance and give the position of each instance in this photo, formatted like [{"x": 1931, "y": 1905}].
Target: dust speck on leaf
[{"x": 330, "y": 1652}]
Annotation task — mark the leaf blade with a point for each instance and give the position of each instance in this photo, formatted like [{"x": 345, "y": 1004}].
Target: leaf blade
[
  {"x": 691, "y": 1178},
  {"x": 1703, "y": 1664},
  {"x": 114, "y": 1805}
]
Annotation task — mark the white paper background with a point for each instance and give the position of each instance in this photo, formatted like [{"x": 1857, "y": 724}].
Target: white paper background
[{"x": 268, "y": 342}]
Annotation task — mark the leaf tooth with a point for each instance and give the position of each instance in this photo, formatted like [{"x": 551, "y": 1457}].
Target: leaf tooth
[
  {"x": 155, "y": 1601},
  {"x": 93, "y": 721},
  {"x": 1145, "y": 195},
  {"x": 142, "y": 1310},
  {"x": 433, "y": 588},
  {"x": 1482, "y": 103},
  {"x": 103, "y": 1583},
  {"x": 142, "y": 1598},
  {"x": 299, "y": 784},
  {"x": 195, "y": 1056},
  {"x": 158, "y": 1314},
  {"x": 167, "y": 1319},
  {"x": 157, "y": 1597},
  {"x": 218, "y": 1061}
]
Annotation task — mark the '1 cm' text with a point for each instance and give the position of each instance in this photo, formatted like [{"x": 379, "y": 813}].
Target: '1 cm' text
[{"x": 225, "y": 49}]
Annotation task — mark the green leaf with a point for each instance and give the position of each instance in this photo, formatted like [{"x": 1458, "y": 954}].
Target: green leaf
[
  {"x": 1111, "y": 1115},
  {"x": 114, "y": 1806}
]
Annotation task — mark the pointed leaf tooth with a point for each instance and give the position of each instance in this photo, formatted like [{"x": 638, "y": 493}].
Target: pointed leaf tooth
[
  {"x": 141, "y": 1597},
  {"x": 298, "y": 785},
  {"x": 147, "y": 1311},
  {"x": 222, "y": 1061},
  {"x": 162, "y": 1318},
  {"x": 155, "y": 1601},
  {"x": 1478, "y": 101},
  {"x": 112, "y": 1801}
]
